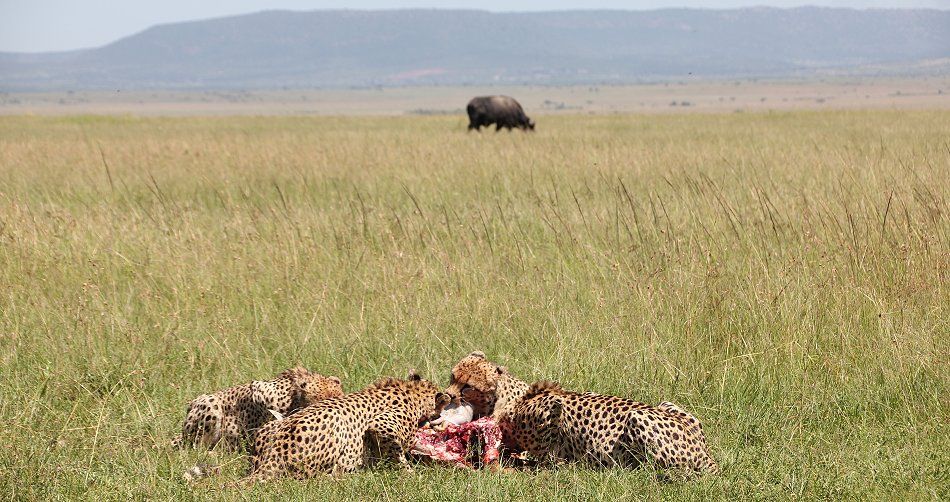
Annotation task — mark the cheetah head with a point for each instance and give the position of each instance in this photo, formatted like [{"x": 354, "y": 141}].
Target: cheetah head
[
  {"x": 294, "y": 388},
  {"x": 426, "y": 397},
  {"x": 316, "y": 387},
  {"x": 474, "y": 380},
  {"x": 431, "y": 394}
]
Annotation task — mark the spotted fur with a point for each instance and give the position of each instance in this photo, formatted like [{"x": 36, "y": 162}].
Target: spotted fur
[
  {"x": 488, "y": 387},
  {"x": 229, "y": 418},
  {"x": 339, "y": 435},
  {"x": 555, "y": 425}
]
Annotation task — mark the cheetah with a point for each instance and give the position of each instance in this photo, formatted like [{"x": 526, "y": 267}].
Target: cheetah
[
  {"x": 554, "y": 424},
  {"x": 489, "y": 388},
  {"x": 230, "y": 417},
  {"x": 341, "y": 434}
]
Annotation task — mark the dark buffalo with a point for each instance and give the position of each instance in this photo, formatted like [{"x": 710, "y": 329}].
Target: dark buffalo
[{"x": 503, "y": 111}]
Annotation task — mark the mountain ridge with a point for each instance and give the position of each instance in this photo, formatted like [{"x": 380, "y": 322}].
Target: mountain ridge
[{"x": 346, "y": 48}]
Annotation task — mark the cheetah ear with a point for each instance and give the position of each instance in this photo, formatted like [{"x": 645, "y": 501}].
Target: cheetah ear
[
  {"x": 295, "y": 372},
  {"x": 335, "y": 380},
  {"x": 414, "y": 375},
  {"x": 501, "y": 370},
  {"x": 479, "y": 354}
]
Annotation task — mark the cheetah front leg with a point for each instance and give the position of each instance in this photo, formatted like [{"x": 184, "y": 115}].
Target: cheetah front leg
[{"x": 388, "y": 447}]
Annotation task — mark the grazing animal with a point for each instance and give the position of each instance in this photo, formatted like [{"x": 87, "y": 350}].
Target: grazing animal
[
  {"x": 341, "y": 434},
  {"x": 231, "y": 416},
  {"x": 554, "y": 424},
  {"x": 489, "y": 388},
  {"x": 503, "y": 111}
]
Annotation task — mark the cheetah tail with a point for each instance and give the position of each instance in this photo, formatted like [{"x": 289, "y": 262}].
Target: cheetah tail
[{"x": 201, "y": 471}]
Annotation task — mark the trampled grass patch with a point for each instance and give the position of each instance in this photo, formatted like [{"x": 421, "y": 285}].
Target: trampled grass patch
[{"x": 783, "y": 276}]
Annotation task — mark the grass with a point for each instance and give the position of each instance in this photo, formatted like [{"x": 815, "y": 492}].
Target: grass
[{"x": 784, "y": 276}]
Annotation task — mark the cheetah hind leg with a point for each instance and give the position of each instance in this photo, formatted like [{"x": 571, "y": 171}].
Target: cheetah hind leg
[{"x": 203, "y": 423}]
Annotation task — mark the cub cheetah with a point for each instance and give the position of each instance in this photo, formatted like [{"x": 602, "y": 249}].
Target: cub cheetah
[{"x": 229, "y": 417}]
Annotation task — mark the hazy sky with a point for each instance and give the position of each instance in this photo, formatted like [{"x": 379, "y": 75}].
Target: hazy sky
[{"x": 53, "y": 25}]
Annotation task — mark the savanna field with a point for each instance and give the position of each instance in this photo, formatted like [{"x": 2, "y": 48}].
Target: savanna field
[{"x": 783, "y": 276}]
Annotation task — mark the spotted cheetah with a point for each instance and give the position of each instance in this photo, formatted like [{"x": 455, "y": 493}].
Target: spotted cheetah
[
  {"x": 339, "y": 435},
  {"x": 229, "y": 417},
  {"x": 554, "y": 424}
]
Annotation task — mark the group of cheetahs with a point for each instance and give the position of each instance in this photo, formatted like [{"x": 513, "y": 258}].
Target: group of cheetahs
[{"x": 301, "y": 424}]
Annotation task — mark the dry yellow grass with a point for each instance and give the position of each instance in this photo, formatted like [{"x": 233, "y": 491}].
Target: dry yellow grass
[{"x": 782, "y": 275}]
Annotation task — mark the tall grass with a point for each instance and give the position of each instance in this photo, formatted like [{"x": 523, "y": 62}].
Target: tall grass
[{"x": 784, "y": 276}]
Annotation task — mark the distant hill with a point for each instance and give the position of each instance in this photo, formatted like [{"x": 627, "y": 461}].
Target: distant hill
[{"x": 403, "y": 47}]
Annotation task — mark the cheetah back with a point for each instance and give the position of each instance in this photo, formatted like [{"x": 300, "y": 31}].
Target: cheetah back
[
  {"x": 603, "y": 430},
  {"x": 332, "y": 436},
  {"x": 231, "y": 416}
]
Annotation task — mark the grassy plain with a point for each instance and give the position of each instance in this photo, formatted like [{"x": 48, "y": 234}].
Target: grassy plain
[{"x": 784, "y": 276}]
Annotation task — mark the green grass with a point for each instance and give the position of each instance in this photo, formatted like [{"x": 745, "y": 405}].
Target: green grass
[{"x": 784, "y": 276}]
